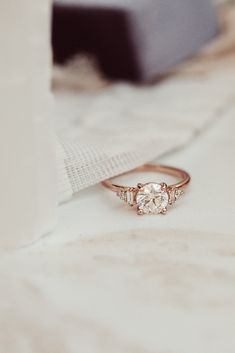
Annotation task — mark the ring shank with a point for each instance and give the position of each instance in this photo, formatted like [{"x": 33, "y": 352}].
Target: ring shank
[{"x": 179, "y": 173}]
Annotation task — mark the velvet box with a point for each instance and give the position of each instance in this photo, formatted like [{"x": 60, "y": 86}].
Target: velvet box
[{"x": 134, "y": 40}]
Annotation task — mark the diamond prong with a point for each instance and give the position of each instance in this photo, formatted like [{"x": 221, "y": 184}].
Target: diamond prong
[
  {"x": 140, "y": 212},
  {"x": 164, "y": 186},
  {"x": 163, "y": 211},
  {"x": 140, "y": 185}
]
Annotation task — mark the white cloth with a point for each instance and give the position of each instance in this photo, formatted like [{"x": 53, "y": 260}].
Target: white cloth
[{"x": 123, "y": 126}]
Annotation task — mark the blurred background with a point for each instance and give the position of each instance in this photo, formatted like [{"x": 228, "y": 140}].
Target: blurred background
[
  {"x": 138, "y": 41},
  {"x": 120, "y": 63},
  {"x": 132, "y": 40}
]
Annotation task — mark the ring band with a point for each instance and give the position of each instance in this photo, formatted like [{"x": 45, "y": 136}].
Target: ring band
[{"x": 151, "y": 197}]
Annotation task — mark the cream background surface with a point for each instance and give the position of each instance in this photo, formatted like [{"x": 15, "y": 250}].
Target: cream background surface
[{"x": 110, "y": 281}]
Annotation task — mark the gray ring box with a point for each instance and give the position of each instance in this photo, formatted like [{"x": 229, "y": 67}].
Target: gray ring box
[{"x": 132, "y": 40}]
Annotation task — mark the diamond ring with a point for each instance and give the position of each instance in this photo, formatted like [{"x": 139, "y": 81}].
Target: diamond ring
[{"x": 151, "y": 197}]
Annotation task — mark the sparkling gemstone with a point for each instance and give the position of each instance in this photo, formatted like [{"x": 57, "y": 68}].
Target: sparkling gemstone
[
  {"x": 174, "y": 194},
  {"x": 126, "y": 196},
  {"x": 152, "y": 198},
  {"x": 178, "y": 193},
  {"x": 130, "y": 197}
]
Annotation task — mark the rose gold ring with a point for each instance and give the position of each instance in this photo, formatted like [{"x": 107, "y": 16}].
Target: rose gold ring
[{"x": 151, "y": 197}]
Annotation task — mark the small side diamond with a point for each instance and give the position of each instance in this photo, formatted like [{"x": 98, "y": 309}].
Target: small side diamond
[
  {"x": 174, "y": 194},
  {"x": 126, "y": 196},
  {"x": 178, "y": 193},
  {"x": 130, "y": 198},
  {"x": 122, "y": 195}
]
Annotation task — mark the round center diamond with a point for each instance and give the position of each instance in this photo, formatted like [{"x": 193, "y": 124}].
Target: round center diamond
[{"x": 152, "y": 198}]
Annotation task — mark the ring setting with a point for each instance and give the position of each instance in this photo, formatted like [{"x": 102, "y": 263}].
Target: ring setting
[{"x": 151, "y": 197}]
